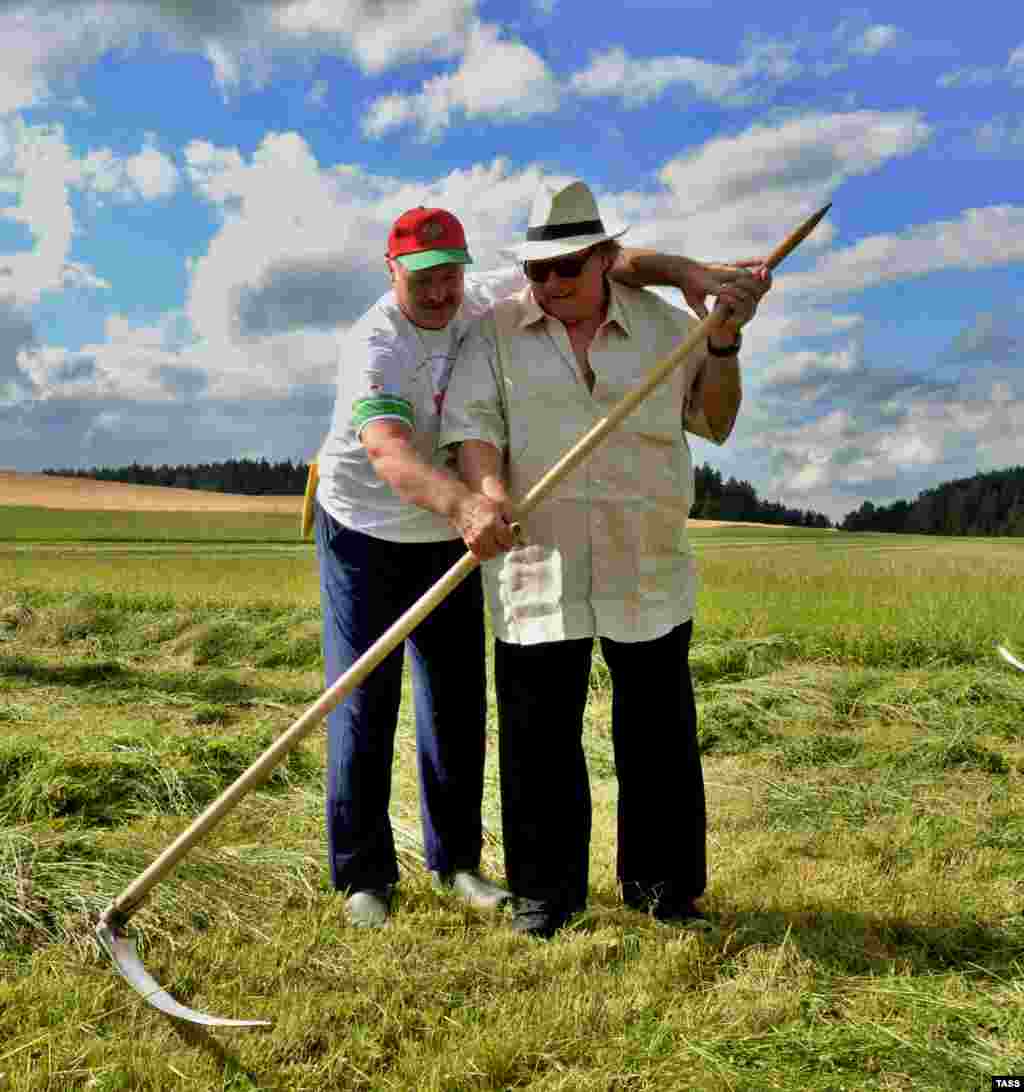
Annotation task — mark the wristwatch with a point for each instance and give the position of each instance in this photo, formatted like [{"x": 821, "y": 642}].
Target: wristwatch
[{"x": 729, "y": 350}]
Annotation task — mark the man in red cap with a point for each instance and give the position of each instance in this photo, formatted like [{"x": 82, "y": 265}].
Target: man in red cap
[{"x": 391, "y": 519}]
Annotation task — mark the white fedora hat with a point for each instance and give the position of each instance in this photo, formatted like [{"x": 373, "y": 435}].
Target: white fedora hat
[{"x": 562, "y": 221}]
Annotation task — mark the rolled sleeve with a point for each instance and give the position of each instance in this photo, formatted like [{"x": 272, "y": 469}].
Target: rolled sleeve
[{"x": 473, "y": 404}]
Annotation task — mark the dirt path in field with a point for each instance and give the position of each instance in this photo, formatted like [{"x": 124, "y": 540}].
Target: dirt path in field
[{"x": 81, "y": 494}]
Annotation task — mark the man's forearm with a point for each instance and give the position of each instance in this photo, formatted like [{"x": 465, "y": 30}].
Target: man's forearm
[
  {"x": 419, "y": 483},
  {"x": 481, "y": 467},
  {"x": 640, "y": 268},
  {"x": 721, "y": 393}
]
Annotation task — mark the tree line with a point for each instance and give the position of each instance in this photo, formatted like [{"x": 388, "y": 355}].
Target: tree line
[
  {"x": 251, "y": 477},
  {"x": 737, "y": 501},
  {"x": 990, "y": 503},
  {"x": 715, "y": 499}
]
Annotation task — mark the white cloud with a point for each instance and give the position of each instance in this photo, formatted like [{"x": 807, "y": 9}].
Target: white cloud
[
  {"x": 810, "y": 371},
  {"x": 152, "y": 173},
  {"x": 498, "y": 79},
  {"x": 44, "y": 47},
  {"x": 614, "y": 73},
  {"x": 848, "y": 453},
  {"x": 729, "y": 198},
  {"x": 764, "y": 64},
  {"x": 281, "y": 277},
  {"x": 977, "y": 239},
  {"x": 875, "y": 39},
  {"x": 39, "y": 167},
  {"x": 378, "y": 35},
  {"x": 148, "y": 175}
]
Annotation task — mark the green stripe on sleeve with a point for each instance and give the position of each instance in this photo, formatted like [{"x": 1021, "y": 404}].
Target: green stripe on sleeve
[{"x": 365, "y": 410}]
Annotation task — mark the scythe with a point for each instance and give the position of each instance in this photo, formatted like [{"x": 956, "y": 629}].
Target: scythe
[{"x": 112, "y": 931}]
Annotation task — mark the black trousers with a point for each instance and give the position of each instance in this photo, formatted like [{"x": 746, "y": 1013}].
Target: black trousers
[{"x": 545, "y": 788}]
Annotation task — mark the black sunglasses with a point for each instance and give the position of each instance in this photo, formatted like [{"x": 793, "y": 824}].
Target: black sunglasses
[{"x": 561, "y": 267}]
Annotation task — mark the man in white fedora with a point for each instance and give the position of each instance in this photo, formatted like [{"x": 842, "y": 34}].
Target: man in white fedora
[
  {"x": 390, "y": 519},
  {"x": 605, "y": 556}
]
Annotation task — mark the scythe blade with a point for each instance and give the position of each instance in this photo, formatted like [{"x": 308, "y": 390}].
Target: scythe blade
[
  {"x": 120, "y": 946},
  {"x": 1010, "y": 658}
]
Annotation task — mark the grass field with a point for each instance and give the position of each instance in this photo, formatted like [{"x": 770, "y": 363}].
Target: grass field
[{"x": 864, "y": 758}]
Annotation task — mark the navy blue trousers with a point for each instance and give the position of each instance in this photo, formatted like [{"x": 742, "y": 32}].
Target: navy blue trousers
[
  {"x": 366, "y": 583},
  {"x": 545, "y": 789}
]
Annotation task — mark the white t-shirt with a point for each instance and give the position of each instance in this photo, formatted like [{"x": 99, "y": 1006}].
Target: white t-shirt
[{"x": 391, "y": 368}]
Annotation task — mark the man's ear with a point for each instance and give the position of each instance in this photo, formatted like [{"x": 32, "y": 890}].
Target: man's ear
[{"x": 391, "y": 268}]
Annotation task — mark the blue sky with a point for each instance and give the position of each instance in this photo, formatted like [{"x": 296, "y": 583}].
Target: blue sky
[{"x": 194, "y": 199}]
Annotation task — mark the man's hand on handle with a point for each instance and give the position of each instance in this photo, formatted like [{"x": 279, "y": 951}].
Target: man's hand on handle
[
  {"x": 740, "y": 291},
  {"x": 485, "y": 525}
]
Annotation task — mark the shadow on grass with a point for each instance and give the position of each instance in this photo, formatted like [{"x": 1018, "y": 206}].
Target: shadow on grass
[
  {"x": 855, "y": 943},
  {"x": 849, "y": 942}
]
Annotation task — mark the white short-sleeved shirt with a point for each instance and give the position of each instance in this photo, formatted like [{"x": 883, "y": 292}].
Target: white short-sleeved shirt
[
  {"x": 390, "y": 368},
  {"x": 606, "y": 552}
]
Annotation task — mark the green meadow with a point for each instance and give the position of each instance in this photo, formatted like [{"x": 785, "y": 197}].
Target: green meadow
[{"x": 864, "y": 759}]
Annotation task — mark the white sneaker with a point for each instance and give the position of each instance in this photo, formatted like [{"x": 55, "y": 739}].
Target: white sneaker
[
  {"x": 368, "y": 909},
  {"x": 473, "y": 888}
]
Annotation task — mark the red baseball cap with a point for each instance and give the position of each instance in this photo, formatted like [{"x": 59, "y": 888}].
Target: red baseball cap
[{"x": 421, "y": 238}]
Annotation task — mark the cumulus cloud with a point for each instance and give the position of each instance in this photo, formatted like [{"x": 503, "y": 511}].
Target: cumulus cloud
[
  {"x": 298, "y": 255},
  {"x": 990, "y": 339},
  {"x": 148, "y": 175},
  {"x": 45, "y": 46},
  {"x": 39, "y": 168},
  {"x": 17, "y": 333},
  {"x": 875, "y": 39},
  {"x": 497, "y": 79},
  {"x": 978, "y": 238},
  {"x": 832, "y": 427},
  {"x": 613, "y": 73},
  {"x": 315, "y": 260},
  {"x": 278, "y": 263},
  {"x": 888, "y": 442},
  {"x": 731, "y": 197},
  {"x": 73, "y": 433},
  {"x": 764, "y": 64},
  {"x": 377, "y": 34}
]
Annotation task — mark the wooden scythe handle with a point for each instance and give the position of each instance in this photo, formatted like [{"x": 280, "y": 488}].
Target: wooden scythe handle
[{"x": 121, "y": 909}]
